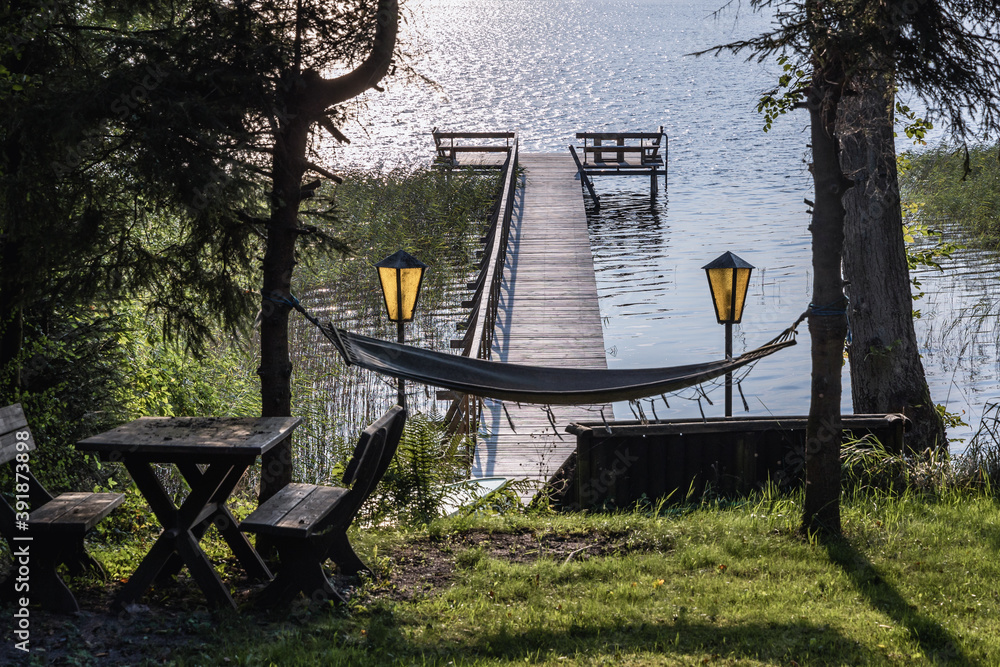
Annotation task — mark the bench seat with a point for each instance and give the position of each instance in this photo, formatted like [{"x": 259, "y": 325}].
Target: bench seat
[
  {"x": 75, "y": 512},
  {"x": 295, "y": 511},
  {"x": 56, "y": 525},
  {"x": 624, "y": 164}
]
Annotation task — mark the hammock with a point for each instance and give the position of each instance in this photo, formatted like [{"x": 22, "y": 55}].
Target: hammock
[{"x": 531, "y": 384}]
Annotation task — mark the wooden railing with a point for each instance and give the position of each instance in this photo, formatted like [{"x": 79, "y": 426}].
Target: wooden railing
[{"x": 477, "y": 342}]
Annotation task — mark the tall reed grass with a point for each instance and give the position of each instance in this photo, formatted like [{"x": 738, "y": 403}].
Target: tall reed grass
[
  {"x": 868, "y": 467},
  {"x": 946, "y": 184},
  {"x": 436, "y": 217}
]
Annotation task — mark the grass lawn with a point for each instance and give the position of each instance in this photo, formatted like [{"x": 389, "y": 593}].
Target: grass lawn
[{"x": 915, "y": 582}]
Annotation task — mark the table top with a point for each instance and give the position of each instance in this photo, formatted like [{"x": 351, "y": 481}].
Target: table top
[{"x": 202, "y": 437}]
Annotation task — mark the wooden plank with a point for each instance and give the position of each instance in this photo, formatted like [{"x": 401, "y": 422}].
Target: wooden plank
[
  {"x": 9, "y": 445},
  {"x": 12, "y": 418},
  {"x": 482, "y": 160},
  {"x": 614, "y": 136},
  {"x": 195, "y": 436},
  {"x": 474, "y": 135},
  {"x": 600, "y": 167},
  {"x": 620, "y": 149},
  {"x": 12, "y": 422},
  {"x": 743, "y": 424},
  {"x": 301, "y": 519},
  {"x": 264, "y": 517},
  {"x": 549, "y": 317},
  {"x": 474, "y": 149},
  {"x": 75, "y": 511}
]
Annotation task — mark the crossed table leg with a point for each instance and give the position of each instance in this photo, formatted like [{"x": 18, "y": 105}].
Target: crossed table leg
[{"x": 184, "y": 526}]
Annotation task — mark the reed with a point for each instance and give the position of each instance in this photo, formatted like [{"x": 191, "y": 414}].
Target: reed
[
  {"x": 436, "y": 218},
  {"x": 946, "y": 184}
]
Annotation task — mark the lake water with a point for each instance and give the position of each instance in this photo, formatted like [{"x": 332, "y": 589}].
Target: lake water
[{"x": 551, "y": 69}]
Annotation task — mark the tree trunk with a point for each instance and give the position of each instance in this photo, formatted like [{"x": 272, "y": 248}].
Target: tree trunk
[
  {"x": 828, "y": 317},
  {"x": 886, "y": 372},
  {"x": 307, "y": 96},
  {"x": 288, "y": 168}
]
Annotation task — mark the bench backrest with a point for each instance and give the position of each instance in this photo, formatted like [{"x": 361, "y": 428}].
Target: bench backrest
[
  {"x": 439, "y": 136},
  {"x": 372, "y": 456},
  {"x": 393, "y": 421},
  {"x": 15, "y": 436},
  {"x": 447, "y": 148},
  {"x": 652, "y": 137},
  {"x": 647, "y": 148}
]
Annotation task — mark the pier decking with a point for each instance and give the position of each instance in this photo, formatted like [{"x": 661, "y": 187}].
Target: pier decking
[{"x": 548, "y": 316}]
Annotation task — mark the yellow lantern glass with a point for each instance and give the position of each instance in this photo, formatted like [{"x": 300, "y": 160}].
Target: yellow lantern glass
[
  {"x": 728, "y": 279},
  {"x": 401, "y": 275}
]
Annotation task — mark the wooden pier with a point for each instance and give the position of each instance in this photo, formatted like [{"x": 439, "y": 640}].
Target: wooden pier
[{"x": 548, "y": 316}]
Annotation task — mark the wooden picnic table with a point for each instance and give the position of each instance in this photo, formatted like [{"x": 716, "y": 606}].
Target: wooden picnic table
[{"x": 212, "y": 454}]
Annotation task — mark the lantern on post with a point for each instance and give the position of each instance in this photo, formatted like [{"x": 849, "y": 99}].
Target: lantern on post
[
  {"x": 728, "y": 279},
  {"x": 400, "y": 275}
]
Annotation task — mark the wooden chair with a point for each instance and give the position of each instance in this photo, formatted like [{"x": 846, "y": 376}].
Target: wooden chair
[
  {"x": 51, "y": 534},
  {"x": 309, "y": 523}
]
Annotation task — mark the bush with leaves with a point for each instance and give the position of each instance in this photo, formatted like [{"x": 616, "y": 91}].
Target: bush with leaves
[
  {"x": 414, "y": 487},
  {"x": 68, "y": 371}
]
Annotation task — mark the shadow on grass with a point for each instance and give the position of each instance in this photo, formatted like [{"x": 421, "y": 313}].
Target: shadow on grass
[
  {"x": 935, "y": 640},
  {"x": 387, "y": 641},
  {"x": 992, "y": 534}
]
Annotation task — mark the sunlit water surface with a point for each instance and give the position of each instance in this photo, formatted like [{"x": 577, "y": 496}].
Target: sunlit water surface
[{"x": 551, "y": 69}]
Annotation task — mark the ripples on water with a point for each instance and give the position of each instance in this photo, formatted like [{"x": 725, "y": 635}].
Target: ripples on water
[{"x": 552, "y": 69}]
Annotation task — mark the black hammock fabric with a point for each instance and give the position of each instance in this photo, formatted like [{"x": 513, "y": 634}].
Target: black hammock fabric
[{"x": 531, "y": 384}]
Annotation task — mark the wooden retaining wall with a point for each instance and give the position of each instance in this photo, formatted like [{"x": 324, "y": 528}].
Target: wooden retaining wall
[{"x": 680, "y": 459}]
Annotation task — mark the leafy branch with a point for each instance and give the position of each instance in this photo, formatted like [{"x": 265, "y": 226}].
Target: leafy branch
[{"x": 787, "y": 95}]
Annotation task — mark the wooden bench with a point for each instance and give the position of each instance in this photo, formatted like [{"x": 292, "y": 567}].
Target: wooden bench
[
  {"x": 448, "y": 150},
  {"x": 310, "y": 522},
  {"x": 622, "y": 153},
  {"x": 51, "y": 533}
]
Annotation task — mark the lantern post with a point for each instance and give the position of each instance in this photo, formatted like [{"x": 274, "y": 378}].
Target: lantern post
[
  {"x": 400, "y": 275},
  {"x": 728, "y": 280}
]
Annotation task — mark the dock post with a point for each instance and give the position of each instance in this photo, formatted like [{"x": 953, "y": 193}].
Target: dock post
[{"x": 666, "y": 156}]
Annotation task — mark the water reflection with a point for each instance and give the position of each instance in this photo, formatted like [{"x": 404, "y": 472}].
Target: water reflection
[
  {"x": 629, "y": 241},
  {"x": 549, "y": 70},
  {"x": 959, "y": 333}
]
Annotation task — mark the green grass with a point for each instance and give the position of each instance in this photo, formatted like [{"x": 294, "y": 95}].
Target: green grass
[{"x": 914, "y": 582}]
